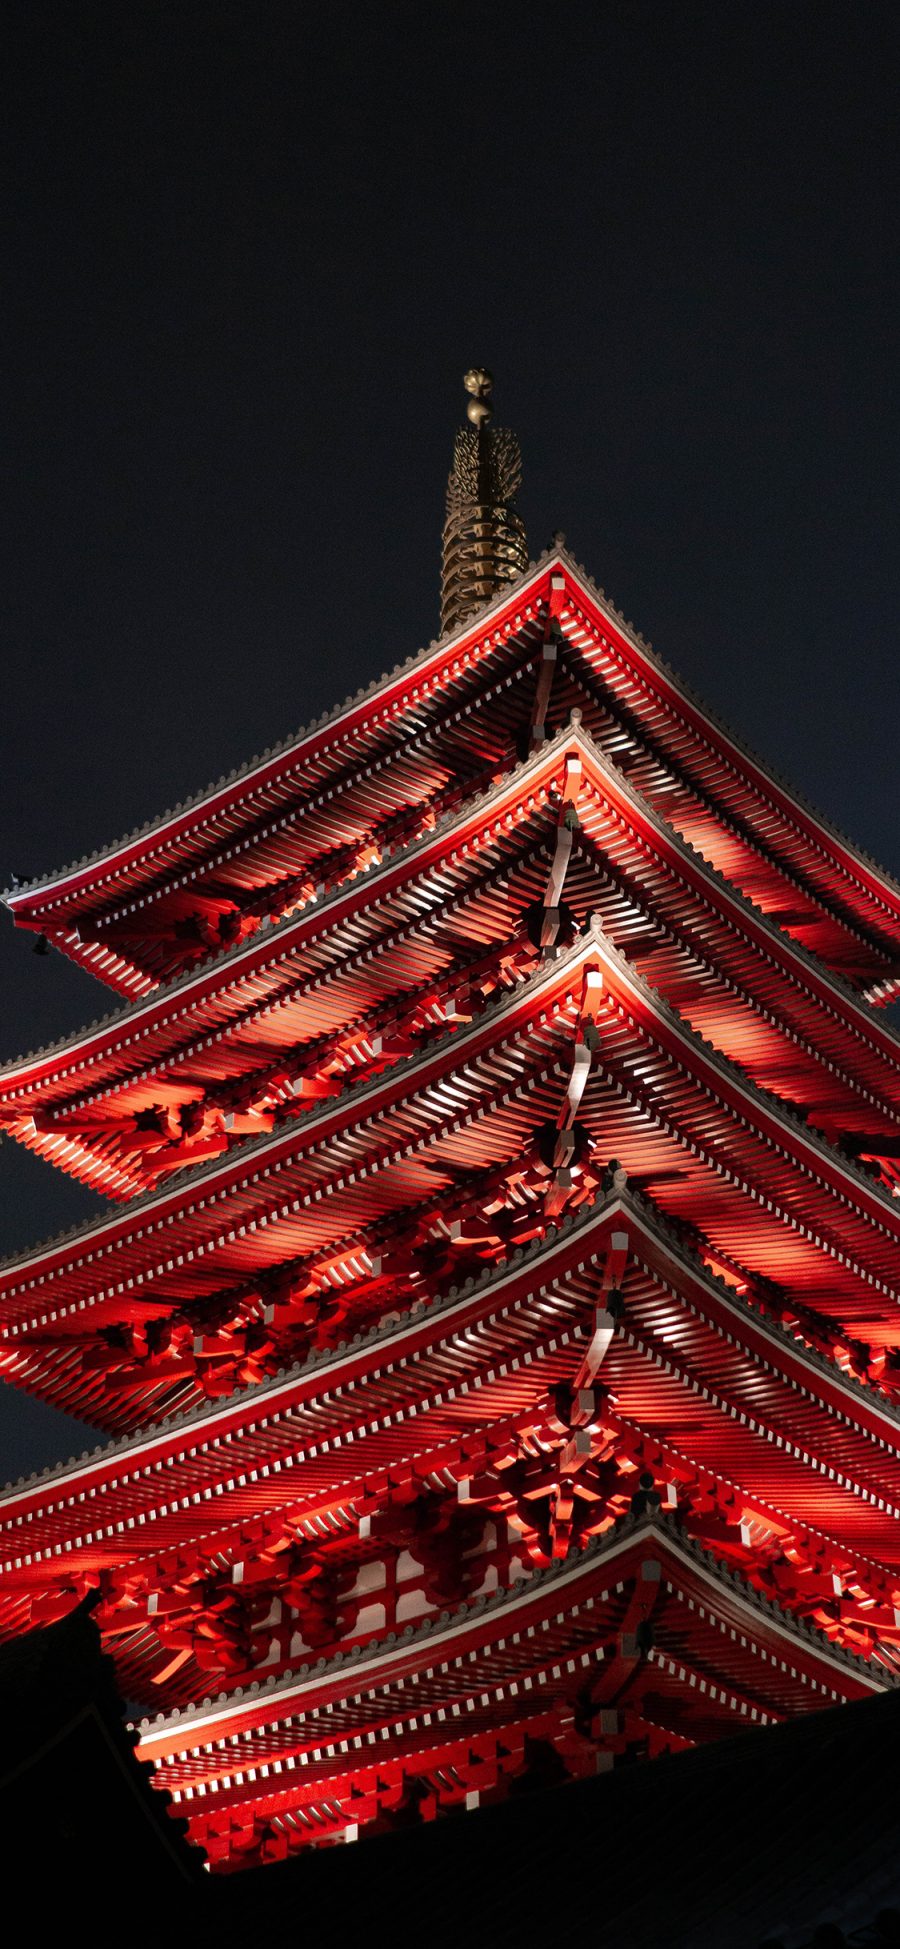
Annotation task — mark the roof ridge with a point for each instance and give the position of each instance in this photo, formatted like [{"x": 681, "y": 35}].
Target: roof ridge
[
  {"x": 472, "y": 626},
  {"x": 193, "y": 1176},
  {"x": 272, "y": 929},
  {"x": 833, "y": 976},
  {"x": 325, "y": 1357},
  {"x": 731, "y": 1068},
  {"x": 721, "y": 723}
]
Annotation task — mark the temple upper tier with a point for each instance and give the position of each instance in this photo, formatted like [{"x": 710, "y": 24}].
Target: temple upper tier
[{"x": 304, "y": 819}]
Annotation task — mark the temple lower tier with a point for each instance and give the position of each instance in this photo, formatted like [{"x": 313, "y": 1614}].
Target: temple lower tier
[{"x": 601, "y": 1380}]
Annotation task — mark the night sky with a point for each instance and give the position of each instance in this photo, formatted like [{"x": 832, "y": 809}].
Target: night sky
[{"x": 252, "y": 250}]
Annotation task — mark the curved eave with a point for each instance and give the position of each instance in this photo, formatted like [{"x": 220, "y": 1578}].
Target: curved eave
[
  {"x": 854, "y": 865},
  {"x": 858, "y": 875},
  {"x": 108, "y": 1054},
  {"x": 91, "y": 1499},
  {"x": 177, "y": 1001},
  {"x": 383, "y": 699},
  {"x": 292, "y": 1700},
  {"x": 156, "y": 1209},
  {"x": 837, "y": 1195}
]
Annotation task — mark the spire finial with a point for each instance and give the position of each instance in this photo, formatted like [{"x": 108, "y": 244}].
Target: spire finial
[
  {"x": 480, "y": 383},
  {"x": 484, "y": 538}
]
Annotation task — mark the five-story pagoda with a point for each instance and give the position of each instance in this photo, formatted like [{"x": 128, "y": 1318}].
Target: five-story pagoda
[{"x": 495, "y": 1331}]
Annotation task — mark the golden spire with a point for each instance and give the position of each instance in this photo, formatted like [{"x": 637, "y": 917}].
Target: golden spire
[{"x": 484, "y": 539}]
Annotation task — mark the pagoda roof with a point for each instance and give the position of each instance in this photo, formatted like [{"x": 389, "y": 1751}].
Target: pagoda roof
[
  {"x": 346, "y": 747},
  {"x": 72, "y": 1100},
  {"x": 697, "y": 1374},
  {"x": 206, "y": 1425},
  {"x": 753, "y": 1648},
  {"x": 351, "y": 744},
  {"x": 665, "y": 1101}
]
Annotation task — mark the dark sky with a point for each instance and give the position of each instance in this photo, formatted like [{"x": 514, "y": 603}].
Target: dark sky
[{"x": 252, "y": 249}]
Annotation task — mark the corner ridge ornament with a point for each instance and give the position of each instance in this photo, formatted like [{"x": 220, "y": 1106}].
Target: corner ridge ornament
[{"x": 484, "y": 543}]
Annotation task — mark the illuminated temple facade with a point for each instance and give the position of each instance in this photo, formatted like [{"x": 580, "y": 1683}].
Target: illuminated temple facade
[{"x": 493, "y": 1333}]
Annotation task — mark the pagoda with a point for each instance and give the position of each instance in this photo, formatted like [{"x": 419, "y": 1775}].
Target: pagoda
[{"x": 494, "y": 1331}]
